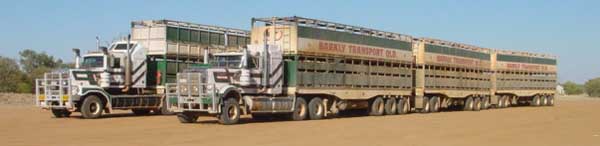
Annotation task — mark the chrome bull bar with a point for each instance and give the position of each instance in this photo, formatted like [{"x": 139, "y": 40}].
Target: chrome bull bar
[
  {"x": 190, "y": 94},
  {"x": 53, "y": 91}
]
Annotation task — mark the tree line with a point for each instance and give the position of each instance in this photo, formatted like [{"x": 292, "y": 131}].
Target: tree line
[
  {"x": 18, "y": 76},
  {"x": 591, "y": 88}
]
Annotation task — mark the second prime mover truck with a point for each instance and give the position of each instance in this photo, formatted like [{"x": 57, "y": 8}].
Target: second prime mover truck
[
  {"x": 131, "y": 73},
  {"x": 303, "y": 68}
]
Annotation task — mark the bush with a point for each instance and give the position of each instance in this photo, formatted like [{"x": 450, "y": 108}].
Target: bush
[
  {"x": 10, "y": 75},
  {"x": 572, "y": 88},
  {"x": 592, "y": 87}
]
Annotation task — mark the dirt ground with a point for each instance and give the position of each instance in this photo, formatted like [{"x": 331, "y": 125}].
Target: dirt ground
[{"x": 573, "y": 121}]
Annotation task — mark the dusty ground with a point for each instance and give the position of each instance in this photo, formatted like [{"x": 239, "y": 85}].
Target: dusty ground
[{"x": 574, "y": 121}]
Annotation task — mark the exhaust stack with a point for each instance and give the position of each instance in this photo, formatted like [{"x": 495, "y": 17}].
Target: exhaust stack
[
  {"x": 77, "y": 57},
  {"x": 127, "y": 65}
]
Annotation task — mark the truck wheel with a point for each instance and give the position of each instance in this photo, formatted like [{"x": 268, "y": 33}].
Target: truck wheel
[
  {"x": 434, "y": 102},
  {"x": 316, "y": 109},
  {"x": 300, "y": 110},
  {"x": 403, "y": 106},
  {"x": 390, "y": 106},
  {"x": 377, "y": 107},
  {"x": 187, "y": 118},
  {"x": 550, "y": 101},
  {"x": 60, "y": 113},
  {"x": 476, "y": 104},
  {"x": 468, "y": 104},
  {"x": 507, "y": 101},
  {"x": 535, "y": 101},
  {"x": 485, "y": 103},
  {"x": 230, "y": 113},
  {"x": 426, "y": 105},
  {"x": 92, "y": 107},
  {"x": 500, "y": 102},
  {"x": 140, "y": 111},
  {"x": 543, "y": 101}
]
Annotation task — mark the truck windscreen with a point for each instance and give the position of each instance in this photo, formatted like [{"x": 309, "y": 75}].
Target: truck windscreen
[
  {"x": 227, "y": 61},
  {"x": 92, "y": 62}
]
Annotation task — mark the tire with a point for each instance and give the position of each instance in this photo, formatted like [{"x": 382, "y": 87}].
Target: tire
[
  {"x": 92, "y": 107},
  {"x": 426, "y": 106},
  {"x": 187, "y": 118},
  {"x": 543, "y": 101},
  {"x": 230, "y": 113},
  {"x": 403, "y": 106},
  {"x": 316, "y": 110},
  {"x": 500, "y": 102},
  {"x": 468, "y": 106},
  {"x": 507, "y": 102},
  {"x": 390, "y": 106},
  {"x": 476, "y": 104},
  {"x": 300, "y": 110},
  {"x": 434, "y": 103},
  {"x": 140, "y": 111},
  {"x": 61, "y": 113},
  {"x": 535, "y": 101},
  {"x": 550, "y": 101},
  {"x": 376, "y": 107},
  {"x": 485, "y": 103}
]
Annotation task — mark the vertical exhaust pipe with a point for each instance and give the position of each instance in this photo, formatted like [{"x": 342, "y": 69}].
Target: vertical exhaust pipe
[
  {"x": 77, "y": 57},
  {"x": 205, "y": 61},
  {"x": 127, "y": 65}
]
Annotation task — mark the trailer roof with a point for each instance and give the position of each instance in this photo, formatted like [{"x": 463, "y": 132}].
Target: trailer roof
[
  {"x": 454, "y": 45},
  {"x": 525, "y": 54},
  {"x": 180, "y": 24},
  {"x": 320, "y": 24}
]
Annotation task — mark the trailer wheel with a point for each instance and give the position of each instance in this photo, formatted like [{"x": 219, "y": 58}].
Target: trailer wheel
[
  {"x": 468, "y": 105},
  {"x": 230, "y": 113},
  {"x": 535, "y": 101},
  {"x": 377, "y": 107},
  {"x": 187, "y": 118},
  {"x": 550, "y": 101},
  {"x": 140, "y": 111},
  {"x": 507, "y": 101},
  {"x": 300, "y": 110},
  {"x": 485, "y": 103},
  {"x": 61, "y": 113},
  {"x": 476, "y": 104},
  {"x": 390, "y": 106},
  {"x": 316, "y": 110},
  {"x": 434, "y": 104},
  {"x": 92, "y": 107},
  {"x": 543, "y": 101},
  {"x": 426, "y": 106},
  {"x": 500, "y": 103},
  {"x": 403, "y": 106}
]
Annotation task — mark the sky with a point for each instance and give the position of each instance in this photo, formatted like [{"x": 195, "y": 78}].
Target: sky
[{"x": 568, "y": 29}]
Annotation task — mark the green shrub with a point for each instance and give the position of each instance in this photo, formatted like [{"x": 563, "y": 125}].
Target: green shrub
[
  {"x": 592, "y": 87},
  {"x": 572, "y": 88}
]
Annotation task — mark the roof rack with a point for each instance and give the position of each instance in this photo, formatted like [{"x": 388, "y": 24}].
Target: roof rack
[
  {"x": 454, "y": 44},
  {"x": 320, "y": 24},
  {"x": 173, "y": 23}
]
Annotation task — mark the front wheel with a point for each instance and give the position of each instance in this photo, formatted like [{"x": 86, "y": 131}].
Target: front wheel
[
  {"x": 92, "y": 107},
  {"x": 60, "y": 113},
  {"x": 230, "y": 113},
  {"x": 187, "y": 118}
]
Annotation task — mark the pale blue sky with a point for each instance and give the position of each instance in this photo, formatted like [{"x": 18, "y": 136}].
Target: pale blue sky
[{"x": 569, "y": 29}]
